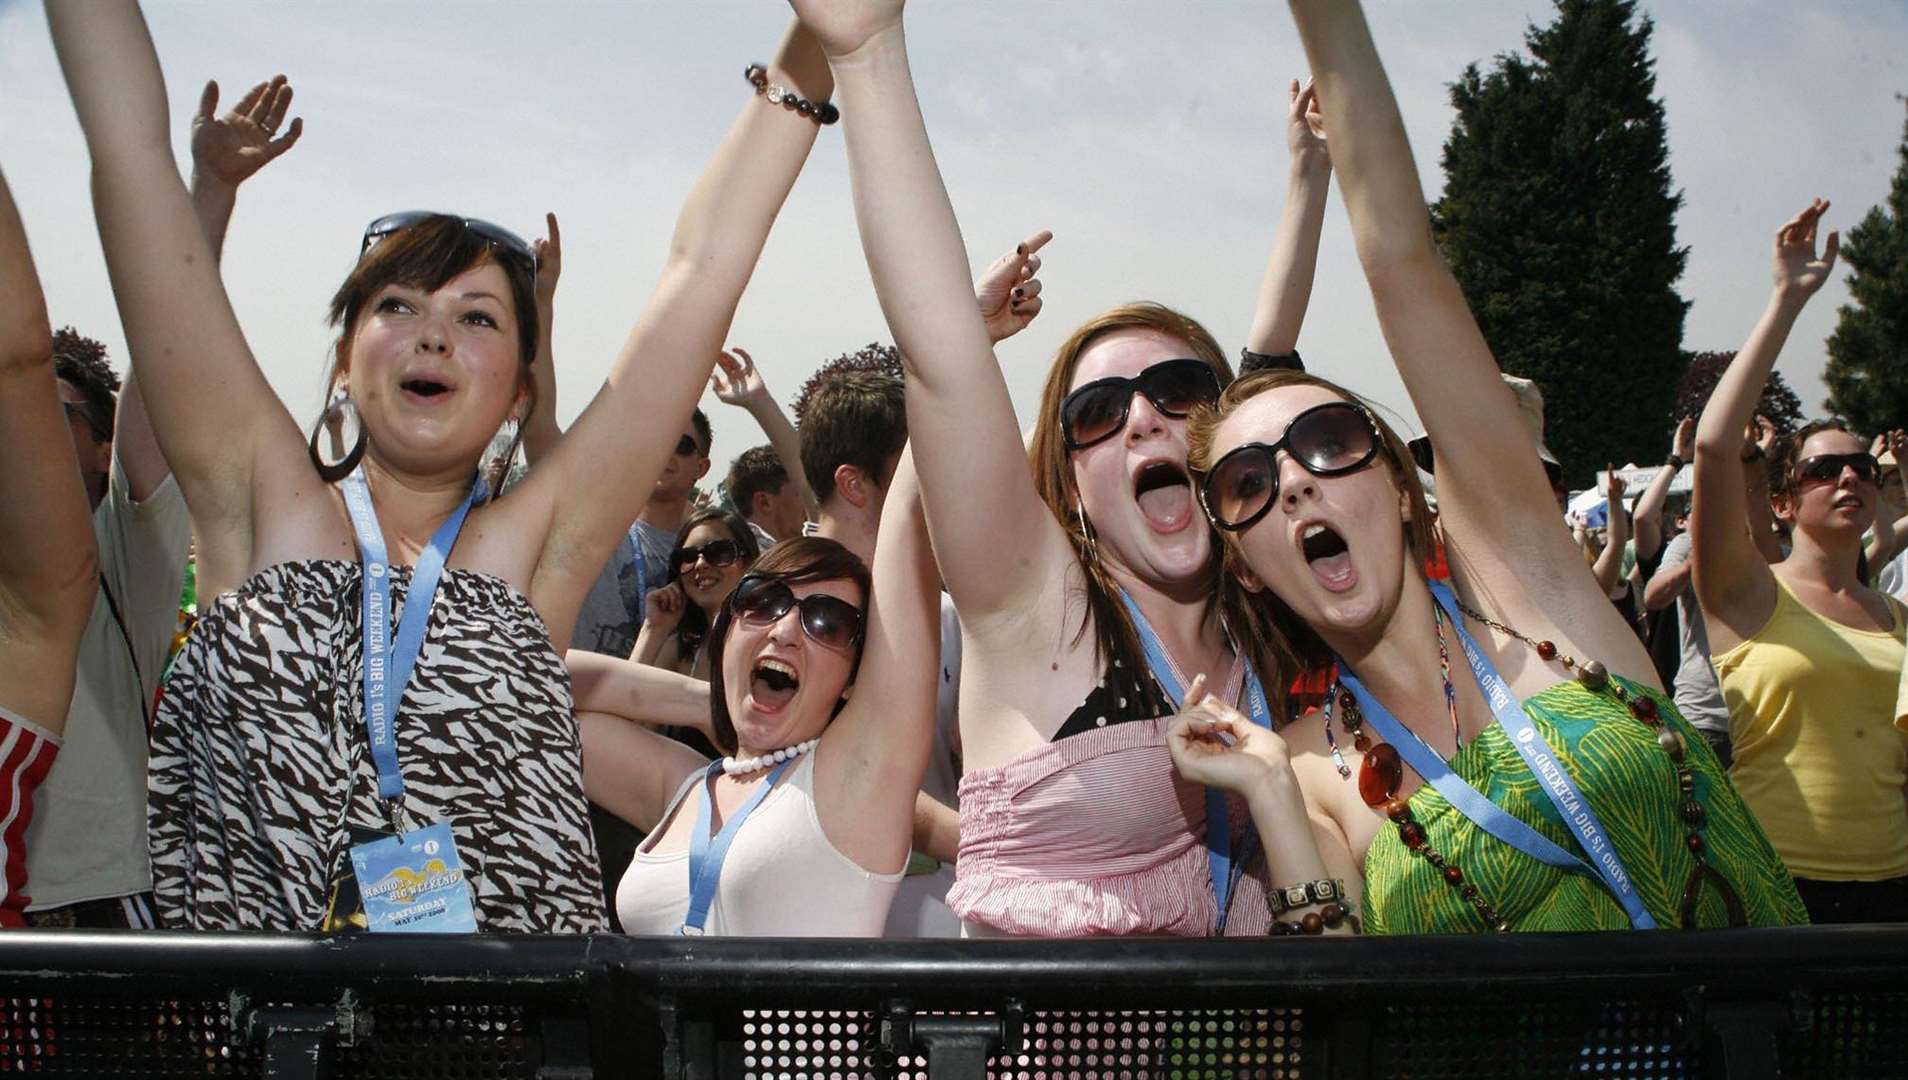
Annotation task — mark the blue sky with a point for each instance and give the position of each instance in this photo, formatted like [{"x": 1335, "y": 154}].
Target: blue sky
[{"x": 1147, "y": 135}]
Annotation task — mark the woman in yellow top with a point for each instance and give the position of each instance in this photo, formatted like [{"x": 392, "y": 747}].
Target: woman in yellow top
[{"x": 1808, "y": 656}]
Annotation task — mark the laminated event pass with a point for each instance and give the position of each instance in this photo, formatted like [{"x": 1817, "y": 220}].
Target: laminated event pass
[{"x": 414, "y": 883}]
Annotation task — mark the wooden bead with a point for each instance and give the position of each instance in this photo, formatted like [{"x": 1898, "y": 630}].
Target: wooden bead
[
  {"x": 1312, "y": 923},
  {"x": 1547, "y": 650},
  {"x": 1453, "y": 876}
]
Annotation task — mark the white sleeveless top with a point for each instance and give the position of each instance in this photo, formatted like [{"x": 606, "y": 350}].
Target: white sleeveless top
[{"x": 782, "y": 877}]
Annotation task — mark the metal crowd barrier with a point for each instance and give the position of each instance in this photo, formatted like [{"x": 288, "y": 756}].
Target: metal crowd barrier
[{"x": 1808, "y": 1002}]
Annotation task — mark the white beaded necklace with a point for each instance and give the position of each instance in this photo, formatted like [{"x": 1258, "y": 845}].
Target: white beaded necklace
[{"x": 740, "y": 767}]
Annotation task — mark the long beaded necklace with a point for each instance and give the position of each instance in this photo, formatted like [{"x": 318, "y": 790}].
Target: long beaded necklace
[{"x": 1381, "y": 774}]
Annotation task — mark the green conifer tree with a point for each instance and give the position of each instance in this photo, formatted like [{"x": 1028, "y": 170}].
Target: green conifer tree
[
  {"x": 1558, "y": 218},
  {"x": 1867, "y": 372}
]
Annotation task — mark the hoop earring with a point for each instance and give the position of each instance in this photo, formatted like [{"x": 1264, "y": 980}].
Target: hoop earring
[{"x": 332, "y": 473}]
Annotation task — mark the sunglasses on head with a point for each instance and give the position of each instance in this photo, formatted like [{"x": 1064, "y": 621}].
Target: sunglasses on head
[
  {"x": 1332, "y": 439},
  {"x": 686, "y": 447},
  {"x": 506, "y": 244},
  {"x": 1827, "y": 468},
  {"x": 829, "y": 620},
  {"x": 1097, "y": 411},
  {"x": 1420, "y": 448},
  {"x": 715, "y": 553}
]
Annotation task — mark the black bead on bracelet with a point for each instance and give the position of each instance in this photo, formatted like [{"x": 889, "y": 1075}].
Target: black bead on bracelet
[{"x": 821, "y": 112}]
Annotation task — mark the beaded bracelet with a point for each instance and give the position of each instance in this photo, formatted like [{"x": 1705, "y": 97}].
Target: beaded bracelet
[
  {"x": 777, "y": 94},
  {"x": 1305, "y": 894},
  {"x": 1331, "y": 916}
]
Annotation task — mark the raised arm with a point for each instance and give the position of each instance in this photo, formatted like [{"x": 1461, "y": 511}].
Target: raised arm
[
  {"x": 1287, "y": 289},
  {"x": 738, "y": 382},
  {"x": 227, "y": 150},
  {"x": 1732, "y": 580},
  {"x": 222, "y": 429},
  {"x": 663, "y": 366},
  {"x": 540, "y": 428},
  {"x": 980, "y": 494},
  {"x": 48, "y": 565},
  {"x": 637, "y": 692},
  {"x": 868, "y": 770},
  {"x": 1609, "y": 564},
  {"x": 1648, "y": 514},
  {"x": 1489, "y": 480}
]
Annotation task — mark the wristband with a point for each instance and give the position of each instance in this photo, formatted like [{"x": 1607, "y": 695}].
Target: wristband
[
  {"x": 1676, "y": 462},
  {"x": 1250, "y": 361},
  {"x": 1305, "y": 894}
]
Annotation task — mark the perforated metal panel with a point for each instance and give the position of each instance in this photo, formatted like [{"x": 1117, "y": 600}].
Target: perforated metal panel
[
  {"x": 1492, "y": 1039},
  {"x": 1192, "y": 1045},
  {"x": 66, "y": 1036},
  {"x": 1850, "y": 1035}
]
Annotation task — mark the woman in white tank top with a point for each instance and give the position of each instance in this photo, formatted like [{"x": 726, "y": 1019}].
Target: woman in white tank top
[{"x": 822, "y": 691}]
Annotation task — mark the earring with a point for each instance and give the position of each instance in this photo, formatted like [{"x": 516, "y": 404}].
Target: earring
[
  {"x": 334, "y": 412},
  {"x": 1086, "y": 527}
]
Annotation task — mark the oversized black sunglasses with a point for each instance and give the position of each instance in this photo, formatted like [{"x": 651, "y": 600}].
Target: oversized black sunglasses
[
  {"x": 1332, "y": 439},
  {"x": 829, "y": 620},
  {"x": 505, "y": 243},
  {"x": 1827, "y": 468},
  {"x": 1097, "y": 411},
  {"x": 715, "y": 553}
]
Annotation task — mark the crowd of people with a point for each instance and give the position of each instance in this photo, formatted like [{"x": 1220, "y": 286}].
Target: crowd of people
[{"x": 1205, "y": 652}]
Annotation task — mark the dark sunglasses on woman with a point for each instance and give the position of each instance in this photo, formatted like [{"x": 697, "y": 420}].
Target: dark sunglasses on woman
[
  {"x": 1827, "y": 468},
  {"x": 505, "y": 243},
  {"x": 1097, "y": 411},
  {"x": 1332, "y": 439},
  {"x": 830, "y": 621},
  {"x": 715, "y": 553}
]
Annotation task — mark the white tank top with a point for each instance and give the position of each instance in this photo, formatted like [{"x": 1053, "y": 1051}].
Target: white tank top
[{"x": 782, "y": 877}]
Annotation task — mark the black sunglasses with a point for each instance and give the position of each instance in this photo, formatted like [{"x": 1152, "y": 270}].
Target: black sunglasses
[
  {"x": 1332, "y": 439},
  {"x": 1420, "y": 448},
  {"x": 1827, "y": 468},
  {"x": 830, "y": 621},
  {"x": 505, "y": 243},
  {"x": 715, "y": 553},
  {"x": 1097, "y": 411},
  {"x": 687, "y": 447}
]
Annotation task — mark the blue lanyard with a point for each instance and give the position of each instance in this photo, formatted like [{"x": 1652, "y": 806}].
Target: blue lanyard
[
  {"x": 388, "y": 665},
  {"x": 706, "y": 856},
  {"x": 1537, "y": 754},
  {"x": 1218, "y": 820},
  {"x": 642, "y": 573}
]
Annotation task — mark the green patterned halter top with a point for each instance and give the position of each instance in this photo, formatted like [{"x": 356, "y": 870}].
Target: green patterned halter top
[{"x": 1631, "y": 785}]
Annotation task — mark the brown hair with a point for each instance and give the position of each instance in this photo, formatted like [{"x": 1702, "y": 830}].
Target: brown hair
[
  {"x": 1307, "y": 647},
  {"x": 792, "y": 562},
  {"x": 1115, "y": 638},
  {"x": 692, "y": 629},
  {"x": 425, "y": 256},
  {"x": 855, "y": 416}
]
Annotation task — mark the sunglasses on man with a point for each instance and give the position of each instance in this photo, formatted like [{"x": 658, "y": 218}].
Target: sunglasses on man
[
  {"x": 1097, "y": 411},
  {"x": 829, "y": 621},
  {"x": 1332, "y": 439},
  {"x": 687, "y": 447}
]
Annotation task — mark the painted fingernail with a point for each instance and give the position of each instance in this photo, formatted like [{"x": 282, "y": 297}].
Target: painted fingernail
[
  {"x": 1019, "y": 294},
  {"x": 1020, "y": 249}
]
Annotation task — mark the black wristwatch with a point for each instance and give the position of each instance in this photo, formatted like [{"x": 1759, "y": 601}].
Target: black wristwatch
[
  {"x": 1676, "y": 463},
  {"x": 1250, "y": 361}
]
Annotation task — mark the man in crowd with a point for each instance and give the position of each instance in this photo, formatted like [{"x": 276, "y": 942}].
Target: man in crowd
[{"x": 758, "y": 484}]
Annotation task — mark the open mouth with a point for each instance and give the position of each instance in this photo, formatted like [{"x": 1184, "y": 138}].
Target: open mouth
[
  {"x": 1329, "y": 557},
  {"x": 772, "y": 684},
  {"x": 1164, "y": 493},
  {"x": 424, "y": 387}
]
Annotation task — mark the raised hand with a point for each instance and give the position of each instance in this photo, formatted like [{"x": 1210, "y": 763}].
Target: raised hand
[
  {"x": 1683, "y": 443},
  {"x": 843, "y": 26},
  {"x": 1008, "y": 291},
  {"x": 1799, "y": 271},
  {"x": 1305, "y": 122},
  {"x": 232, "y": 147},
  {"x": 549, "y": 251},
  {"x": 735, "y": 379},
  {"x": 662, "y": 608},
  {"x": 1614, "y": 489},
  {"x": 1213, "y": 744}
]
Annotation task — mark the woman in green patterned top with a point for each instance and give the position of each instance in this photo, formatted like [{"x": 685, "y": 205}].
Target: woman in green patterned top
[{"x": 1324, "y": 515}]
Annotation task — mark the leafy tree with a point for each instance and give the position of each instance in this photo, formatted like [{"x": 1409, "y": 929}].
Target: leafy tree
[
  {"x": 1558, "y": 218},
  {"x": 1778, "y": 403},
  {"x": 1867, "y": 372}
]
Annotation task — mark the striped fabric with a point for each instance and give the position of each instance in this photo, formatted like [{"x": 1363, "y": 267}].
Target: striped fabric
[{"x": 26, "y": 756}]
